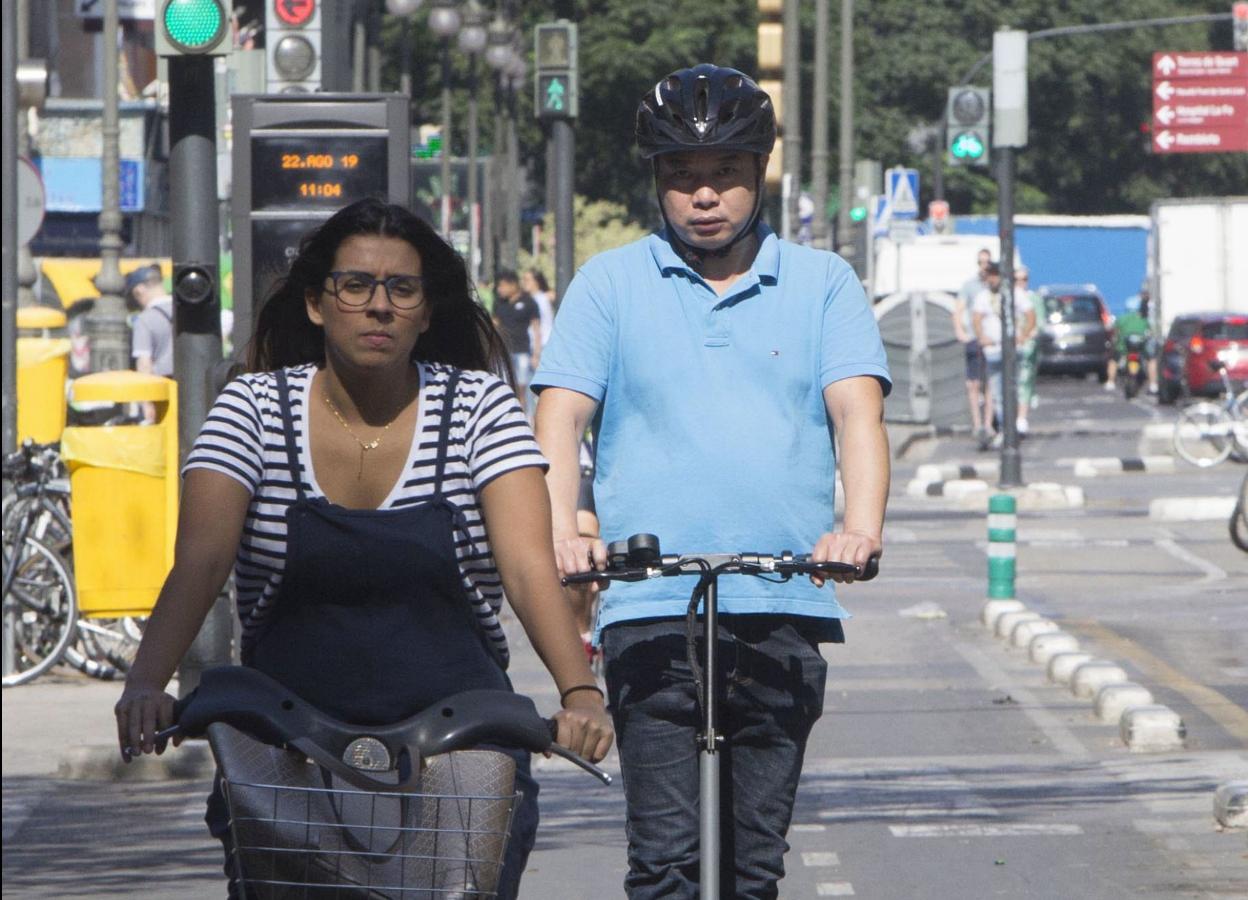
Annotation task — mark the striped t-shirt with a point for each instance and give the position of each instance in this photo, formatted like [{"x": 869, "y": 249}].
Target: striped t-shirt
[{"x": 243, "y": 438}]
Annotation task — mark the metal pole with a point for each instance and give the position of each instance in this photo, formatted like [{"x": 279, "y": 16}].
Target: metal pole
[
  {"x": 792, "y": 125},
  {"x": 1011, "y": 461},
  {"x": 26, "y": 274},
  {"x": 846, "y": 140},
  {"x": 565, "y": 159},
  {"x": 8, "y": 293},
  {"x": 194, "y": 230},
  {"x": 511, "y": 223},
  {"x": 106, "y": 323},
  {"x": 819, "y": 130},
  {"x": 405, "y": 51},
  {"x": 359, "y": 51},
  {"x": 473, "y": 190},
  {"x": 446, "y": 138},
  {"x": 708, "y": 751}
]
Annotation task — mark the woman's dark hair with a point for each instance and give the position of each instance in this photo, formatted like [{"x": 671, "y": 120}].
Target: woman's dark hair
[
  {"x": 460, "y": 333},
  {"x": 542, "y": 284}
]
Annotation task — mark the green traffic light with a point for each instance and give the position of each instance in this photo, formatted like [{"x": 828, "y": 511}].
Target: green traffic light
[
  {"x": 194, "y": 24},
  {"x": 858, "y": 214},
  {"x": 967, "y": 145}
]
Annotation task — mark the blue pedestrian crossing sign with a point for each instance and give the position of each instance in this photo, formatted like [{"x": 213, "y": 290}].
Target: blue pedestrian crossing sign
[{"x": 902, "y": 192}]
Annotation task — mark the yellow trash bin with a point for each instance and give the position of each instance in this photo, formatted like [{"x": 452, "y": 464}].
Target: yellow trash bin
[
  {"x": 124, "y": 494},
  {"x": 39, "y": 318},
  {"x": 42, "y": 367}
]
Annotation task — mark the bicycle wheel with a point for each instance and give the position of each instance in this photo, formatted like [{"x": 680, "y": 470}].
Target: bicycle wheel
[
  {"x": 1203, "y": 435},
  {"x": 1239, "y": 518},
  {"x": 1239, "y": 427},
  {"x": 111, "y": 642},
  {"x": 39, "y": 596}
]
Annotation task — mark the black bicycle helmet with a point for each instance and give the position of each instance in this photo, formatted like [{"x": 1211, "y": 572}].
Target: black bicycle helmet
[{"x": 705, "y": 107}]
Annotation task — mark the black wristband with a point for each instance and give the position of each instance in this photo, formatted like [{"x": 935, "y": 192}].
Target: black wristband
[{"x": 580, "y": 687}]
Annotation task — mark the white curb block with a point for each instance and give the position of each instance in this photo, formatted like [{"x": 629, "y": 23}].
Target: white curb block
[
  {"x": 1023, "y": 632},
  {"x": 957, "y": 471},
  {"x": 1113, "y": 700},
  {"x": 1146, "y": 729},
  {"x": 1062, "y": 666},
  {"x": 994, "y": 609},
  {"x": 1116, "y": 465},
  {"x": 1006, "y": 623},
  {"x": 1044, "y": 647},
  {"x": 1190, "y": 509},
  {"x": 1230, "y": 804},
  {"x": 1093, "y": 675}
]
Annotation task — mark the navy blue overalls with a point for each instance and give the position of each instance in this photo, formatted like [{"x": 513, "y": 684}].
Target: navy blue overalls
[{"x": 371, "y": 623}]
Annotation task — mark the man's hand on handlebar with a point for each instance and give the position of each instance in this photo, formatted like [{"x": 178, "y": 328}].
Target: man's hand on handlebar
[
  {"x": 854, "y": 547},
  {"x": 584, "y": 726},
  {"x": 141, "y": 713},
  {"x": 579, "y": 554}
]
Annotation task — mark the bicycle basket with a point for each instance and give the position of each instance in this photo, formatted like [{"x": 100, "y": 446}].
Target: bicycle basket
[{"x": 299, "y": 832}]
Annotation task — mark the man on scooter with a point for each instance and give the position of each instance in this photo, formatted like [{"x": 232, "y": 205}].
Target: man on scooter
[
  {"x": 721, "y": 360},
  {"x": 1135, "y": 323}
]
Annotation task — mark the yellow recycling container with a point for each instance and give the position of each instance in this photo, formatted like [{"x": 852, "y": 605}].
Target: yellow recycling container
[
  {"x": 124, "y": 494},
  {"x": 39, "y": 318},
  {"x": 42, "y": 367}
]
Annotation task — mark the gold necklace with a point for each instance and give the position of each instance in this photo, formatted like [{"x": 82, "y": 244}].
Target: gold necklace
[{"x": 365, "y": 446}]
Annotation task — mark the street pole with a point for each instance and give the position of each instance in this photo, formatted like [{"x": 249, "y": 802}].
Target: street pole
[
  {"x": 194, "y": 230},
  {"x": 106, "y": 323},
  {"x": 563, "y": 138},
  {"x": 445, "y": 154},
  {"x": 511, "y": 224},
  {"x": 792, "y": 111},
  {"x": 1011, "y": 459},
  {"x": 473, "y": 179},
  {"x": 846, "y": 140},
  {"x": 8, "y": 270},
  {"x": 819, "y": 130}
]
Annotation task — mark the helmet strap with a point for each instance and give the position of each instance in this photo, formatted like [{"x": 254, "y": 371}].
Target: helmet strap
[{"x": 696, "y": 257}]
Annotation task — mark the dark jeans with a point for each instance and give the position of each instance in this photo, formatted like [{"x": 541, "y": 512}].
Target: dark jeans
[
  {"x": 771, "y": 693},
  {"x": 523, "y": 829}
]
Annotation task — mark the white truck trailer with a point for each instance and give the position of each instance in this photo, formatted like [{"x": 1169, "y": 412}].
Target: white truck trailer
[{"x": 1198, "y": 257}]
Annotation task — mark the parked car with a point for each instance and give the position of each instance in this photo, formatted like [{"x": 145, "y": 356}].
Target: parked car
[
  {"x": 1077, "y": 334},
  {"x": 1194, "y": 340}
]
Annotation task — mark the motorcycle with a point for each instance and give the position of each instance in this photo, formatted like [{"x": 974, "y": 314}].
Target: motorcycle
[{"x": 1133, "y": 367}]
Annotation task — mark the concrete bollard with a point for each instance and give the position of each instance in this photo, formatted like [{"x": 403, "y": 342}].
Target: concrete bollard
[
  {"x": 1093, "y": 675},
  {"x": 1044, "y": 647},
  {"x": 1023, "y": 632},
  {"x": 1113, "y": 699},
  {"x": 1150, "y": 729},
  {"x": 1002, "y": 525},
  {"x": 1063, "y": 665},
  {"x": 994, "y": 609},
  {"x": 1230, "y": 804},
  {"x": 1005, "y": 624}
]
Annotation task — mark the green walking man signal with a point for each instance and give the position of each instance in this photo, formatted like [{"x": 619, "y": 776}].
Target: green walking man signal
[{"x": 554, "y": 46}]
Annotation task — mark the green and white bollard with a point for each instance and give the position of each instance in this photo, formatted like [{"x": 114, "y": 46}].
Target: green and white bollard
[{"x": 1002, "y": 523}]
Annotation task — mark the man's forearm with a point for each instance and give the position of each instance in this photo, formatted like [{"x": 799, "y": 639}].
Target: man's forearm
[
  {"x": 559, "y": 437},
  {"x": 865, "y": 470}
]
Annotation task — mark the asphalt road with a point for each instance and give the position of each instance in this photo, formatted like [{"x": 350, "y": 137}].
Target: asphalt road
[{"x": 946, "y": 764}]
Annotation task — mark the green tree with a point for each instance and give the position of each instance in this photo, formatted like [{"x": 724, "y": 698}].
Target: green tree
[{"x": 599, "y": 225}]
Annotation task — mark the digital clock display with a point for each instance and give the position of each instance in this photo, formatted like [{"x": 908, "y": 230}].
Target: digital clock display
[{"x": 323, "y": 171}]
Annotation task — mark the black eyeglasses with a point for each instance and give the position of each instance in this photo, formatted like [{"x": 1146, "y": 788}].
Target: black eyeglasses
[{"x": 356, "y": 289}]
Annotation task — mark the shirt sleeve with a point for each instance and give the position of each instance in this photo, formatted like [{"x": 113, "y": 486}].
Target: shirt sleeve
[
  {"x": 851, "y": 338},
  {"x": 232, "y": 439},
  {"x": 580, "y": 350},
  {"x": 498, "y": 439}
]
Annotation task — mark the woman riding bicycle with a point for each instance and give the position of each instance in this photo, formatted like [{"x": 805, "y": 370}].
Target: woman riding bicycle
[{"x": 377, "y": 489}]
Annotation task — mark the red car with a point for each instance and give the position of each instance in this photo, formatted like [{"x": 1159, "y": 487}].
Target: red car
[{"x": 1193, "y": 342}]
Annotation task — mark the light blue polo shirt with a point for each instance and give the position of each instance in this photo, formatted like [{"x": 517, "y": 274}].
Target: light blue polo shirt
[{"x": 714, "y": 434}]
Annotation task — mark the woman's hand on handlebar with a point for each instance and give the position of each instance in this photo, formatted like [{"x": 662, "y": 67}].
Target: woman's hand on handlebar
[
  {"x": 141, "y": 712},
  {"x": 584, "y": 726},
  {"x": 854, "y": 547}
]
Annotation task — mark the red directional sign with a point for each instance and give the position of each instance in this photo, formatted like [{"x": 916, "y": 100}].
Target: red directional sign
[
  {"x": 294, "y": 12},
  {"x": 1200, "y": 102}
]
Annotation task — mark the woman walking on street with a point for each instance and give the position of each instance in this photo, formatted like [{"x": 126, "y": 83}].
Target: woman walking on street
[{"x": 377, "y": 489}]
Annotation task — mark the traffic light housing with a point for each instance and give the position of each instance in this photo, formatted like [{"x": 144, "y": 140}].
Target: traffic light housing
[
  {"x": 1239, "y": 16},
  {"x": 292, "y": 44},
  {"x": 968, "y": 126},
  {"x": 555, "y": 84},
  {"x": 192, "y": 28}
]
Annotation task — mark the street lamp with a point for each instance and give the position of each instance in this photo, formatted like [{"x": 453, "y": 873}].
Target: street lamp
[
  {"x": 473, "y": 38},
  {"x": 517, "y": 69},
  {"x": 444, "y": 22},
  {"x": 406, "y": 10},
  {"x": 498, "y": 56}
]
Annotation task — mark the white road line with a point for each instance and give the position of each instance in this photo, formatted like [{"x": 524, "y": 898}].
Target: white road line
[
  {"x": 834, "y": 889},
  {"x": 820, "y": 858},
  {"x": 912, "y": 812},
  {"x": 1212, "y": 572},
  {"x": 808, "y": 827},
  {"x": 1020, "y": 829}
]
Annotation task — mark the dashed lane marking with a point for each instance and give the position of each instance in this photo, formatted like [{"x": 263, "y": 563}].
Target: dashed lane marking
[
  {"x": 834, "y": 889},
  {"x": 809, "y": 827},
  {"x": 820, "y": 858},
  {"x": 1020, "y": 829}
]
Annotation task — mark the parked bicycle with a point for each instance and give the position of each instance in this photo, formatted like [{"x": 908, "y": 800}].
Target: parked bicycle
[
  {"x": 1208, "y": 432},
  {"x": 639, "y": 558},
  {"x": 322, "y": 808}
]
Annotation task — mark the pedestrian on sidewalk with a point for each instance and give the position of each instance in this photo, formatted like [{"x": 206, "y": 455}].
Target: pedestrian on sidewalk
[
  {"x": 1029, "y": 309},
  {"x": 376, "y": 487},
  {"x": 519, "y": 321},
  {"x": 977, "y": 396},
  {"x": 718, "y": 354}
]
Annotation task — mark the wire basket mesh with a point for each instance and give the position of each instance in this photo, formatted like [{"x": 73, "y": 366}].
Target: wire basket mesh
[{"x": 301, "y": 840}]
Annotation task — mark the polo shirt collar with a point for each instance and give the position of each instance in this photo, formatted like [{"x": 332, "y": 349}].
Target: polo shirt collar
[{"x": 765, "y": 268}]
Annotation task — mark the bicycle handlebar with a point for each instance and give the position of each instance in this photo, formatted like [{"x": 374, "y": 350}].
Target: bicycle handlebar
[{"x": 254, "y": 703}]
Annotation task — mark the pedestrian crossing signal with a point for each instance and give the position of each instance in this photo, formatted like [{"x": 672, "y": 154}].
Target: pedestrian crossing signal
[
  {"x": 554, "y": 88},
  {"x": 556, "y": 96}
]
